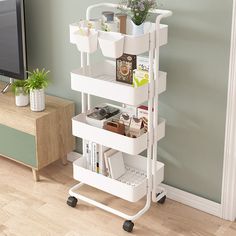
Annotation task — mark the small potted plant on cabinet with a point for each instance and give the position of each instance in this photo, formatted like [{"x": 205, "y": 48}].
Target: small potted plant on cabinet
[
  {"x": 36, "y": 84},
  {"x": 21, "y": 93}
]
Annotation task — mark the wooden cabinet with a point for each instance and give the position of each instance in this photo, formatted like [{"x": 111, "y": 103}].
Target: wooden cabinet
[{"x": 36, "y": 139}]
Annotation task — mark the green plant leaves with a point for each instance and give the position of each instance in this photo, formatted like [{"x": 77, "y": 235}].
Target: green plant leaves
[
  {"x": 38, "y": 79},
  {"x": 19, "y": 84}
]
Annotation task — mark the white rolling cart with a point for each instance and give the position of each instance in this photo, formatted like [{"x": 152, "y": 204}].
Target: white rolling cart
[{"x": 143, "y": 174}]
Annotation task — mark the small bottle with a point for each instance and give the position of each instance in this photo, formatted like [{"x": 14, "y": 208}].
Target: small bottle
[{"x": 121, "y": 18}]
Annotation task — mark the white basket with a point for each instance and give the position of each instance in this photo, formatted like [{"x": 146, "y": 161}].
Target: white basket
[
  {"x": 133, "y": 146},
  {"x": 112, "y": 44},
  {"x": 132, "y": 186},
  {"x": 100, "y": 80},
  {"x": 37, "y": 100},
  {"x": 86, "y": 43}
]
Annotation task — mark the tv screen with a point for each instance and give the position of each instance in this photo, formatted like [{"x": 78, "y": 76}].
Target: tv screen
[{"x": 12, "y": 39}]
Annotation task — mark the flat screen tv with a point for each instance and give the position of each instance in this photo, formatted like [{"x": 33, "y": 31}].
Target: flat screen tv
[{"x": 12, "y": 39}]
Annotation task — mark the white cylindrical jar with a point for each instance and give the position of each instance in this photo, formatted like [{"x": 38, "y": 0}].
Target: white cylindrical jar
[{"x": 37, "y": 99}]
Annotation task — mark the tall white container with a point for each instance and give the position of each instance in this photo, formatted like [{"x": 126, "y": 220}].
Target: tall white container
[
  {"x": 21, "y": 98},
  {"x": 37, "y": 99}
]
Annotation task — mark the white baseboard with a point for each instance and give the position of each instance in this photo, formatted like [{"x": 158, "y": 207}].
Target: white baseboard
[
  {"x": 194, "y": 201},
  {"x": 175, "y": 194}
]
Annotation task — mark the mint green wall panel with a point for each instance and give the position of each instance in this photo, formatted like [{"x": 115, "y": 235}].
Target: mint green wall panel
[
  {"x": 18, "y": 145},
  {"x": 197, "y": 61}
]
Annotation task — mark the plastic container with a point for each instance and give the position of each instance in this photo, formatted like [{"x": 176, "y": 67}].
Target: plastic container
[
  {"x": 73, "y": 28},
  {"x": 112, "y": 44},
  {"x": 86, "y": 40}
]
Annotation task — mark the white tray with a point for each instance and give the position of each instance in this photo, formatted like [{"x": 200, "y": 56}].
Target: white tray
[
  {"x": 133, "y": 146},
  {"x": 132, "y": 186},
  {"x": 100, "y": 80}
]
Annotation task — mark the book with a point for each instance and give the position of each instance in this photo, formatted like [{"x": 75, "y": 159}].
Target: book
[
  {"x": 87, "y": 153},
  {"x": 116, "y": 165},
  {"x": 102, "y": 167},
  {"x": 106, "y": 155},
  {"x": 91, "y": 155},
  {"x": 95, "y": 157}
]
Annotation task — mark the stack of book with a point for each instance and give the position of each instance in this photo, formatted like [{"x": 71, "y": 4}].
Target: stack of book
[
  {"x": 92, "y": 155},
  {"x": 102, "y": 160}
]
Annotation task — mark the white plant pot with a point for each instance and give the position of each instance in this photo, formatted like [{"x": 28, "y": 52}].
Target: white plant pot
[
  {"x": 22, "y": 100},
  {"x": 112, "y": 44},
  {"x": 137, "y": 29},
  {"x": 37, "y": 100},
  {"x": 136, "y": 43}
]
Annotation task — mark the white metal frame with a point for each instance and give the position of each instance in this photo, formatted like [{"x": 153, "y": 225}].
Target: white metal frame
[
  {"x": 152, "y": 124},
  {"x": 228, "y": 202}
]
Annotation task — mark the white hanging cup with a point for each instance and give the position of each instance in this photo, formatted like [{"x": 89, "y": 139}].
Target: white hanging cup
[{"x": 112, "y": 44}]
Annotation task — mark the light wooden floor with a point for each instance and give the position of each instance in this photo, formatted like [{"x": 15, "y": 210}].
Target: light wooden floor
[{"x": 31, "y": 209}]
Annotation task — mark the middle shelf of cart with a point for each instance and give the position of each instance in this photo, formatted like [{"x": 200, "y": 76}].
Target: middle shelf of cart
[
  {"x": 100, "y": 80},
  {"x": 133, "y": 146}
]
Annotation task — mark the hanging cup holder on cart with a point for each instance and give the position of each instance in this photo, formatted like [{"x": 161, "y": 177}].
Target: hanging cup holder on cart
[
  {"x": 111, "y": 44},
  {"x": 114, "y": 44}
]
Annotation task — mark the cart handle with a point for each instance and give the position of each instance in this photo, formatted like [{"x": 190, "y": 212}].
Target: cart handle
[{"x": 163, "y": 13}]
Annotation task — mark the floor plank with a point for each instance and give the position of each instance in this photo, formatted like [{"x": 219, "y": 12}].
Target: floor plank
[{"x": 28, "y": 208}]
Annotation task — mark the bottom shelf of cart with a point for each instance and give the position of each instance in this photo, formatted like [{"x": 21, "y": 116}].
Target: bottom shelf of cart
[{"x": 132, "y": 186}]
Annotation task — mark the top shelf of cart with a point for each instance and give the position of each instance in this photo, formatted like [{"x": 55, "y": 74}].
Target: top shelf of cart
[{"x": 114, "y": 44}]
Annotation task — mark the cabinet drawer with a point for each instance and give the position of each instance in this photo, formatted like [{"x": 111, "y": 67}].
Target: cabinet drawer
[{"x": 18, "y": 145}]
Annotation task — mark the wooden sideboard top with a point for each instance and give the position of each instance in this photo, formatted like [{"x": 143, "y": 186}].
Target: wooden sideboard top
[{"x": 22, "y": 118}]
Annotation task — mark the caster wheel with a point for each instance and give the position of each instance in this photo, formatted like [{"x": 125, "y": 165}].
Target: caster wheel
[
  {"x": 128, "y": 226},
  {"x": 162, "y": 200},
  {"x": 72, "y": 201}
]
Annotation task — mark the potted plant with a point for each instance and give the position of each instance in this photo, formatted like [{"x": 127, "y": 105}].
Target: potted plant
[
  {"x": 138, "y": 11},
  {"x": 21, "y": 93},
  {"x": 36, "y": 84}
]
